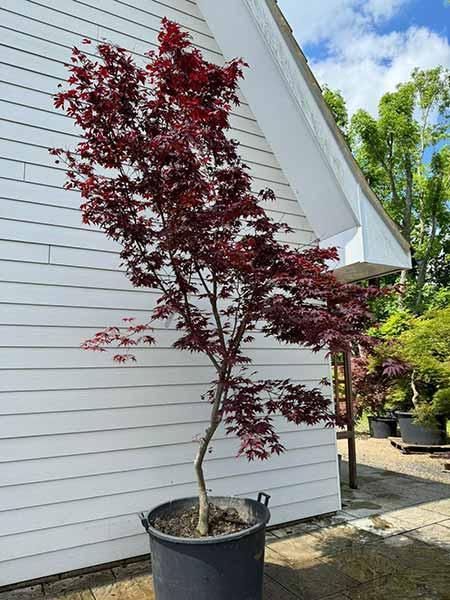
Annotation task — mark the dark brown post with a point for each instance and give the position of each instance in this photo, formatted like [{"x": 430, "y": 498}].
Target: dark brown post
[{"x": 350, "y": 421}]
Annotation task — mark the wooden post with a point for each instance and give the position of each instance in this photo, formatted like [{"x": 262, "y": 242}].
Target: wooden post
[{"x": 353, "y": 480}]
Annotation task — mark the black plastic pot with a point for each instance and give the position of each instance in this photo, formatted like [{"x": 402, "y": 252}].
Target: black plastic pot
[
  {"x": 228, "y": 567},
  {"x": 416, "y": 433},
  {"x": 382, "y": 427}
]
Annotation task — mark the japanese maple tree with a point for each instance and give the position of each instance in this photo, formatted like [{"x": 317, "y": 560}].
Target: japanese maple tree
[
  {"x": 374, "y": 374},
  {"x": 159, "y": 175}
]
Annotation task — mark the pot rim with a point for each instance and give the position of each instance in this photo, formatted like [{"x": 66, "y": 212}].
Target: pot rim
[
  {"x": 219, "y": 539},
  {"x": 404, "y": 413},
  {"x": 410, "y": 414}
]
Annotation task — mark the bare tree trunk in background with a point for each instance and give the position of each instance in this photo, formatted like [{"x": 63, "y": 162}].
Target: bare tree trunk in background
[
  {"x": 421, "y": 277},
  {"x": 415, "y": 397},
  {"x": 407, "y": 215}
]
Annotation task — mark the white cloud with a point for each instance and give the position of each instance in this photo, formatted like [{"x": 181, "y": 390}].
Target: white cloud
[
  {"x": 361, "y": 62},
  {"x": 367, "y": 67},
  {"x": 314, "y": 22},
  {"x": 382, "y": 9}
]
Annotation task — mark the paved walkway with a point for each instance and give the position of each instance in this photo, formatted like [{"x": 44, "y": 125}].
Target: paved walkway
[
  {"x": 380, "y": 454},
  {"x": 390, "y": 541}
]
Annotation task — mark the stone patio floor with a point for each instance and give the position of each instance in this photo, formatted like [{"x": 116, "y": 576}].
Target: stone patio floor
[{"x": 390, "y": 541}]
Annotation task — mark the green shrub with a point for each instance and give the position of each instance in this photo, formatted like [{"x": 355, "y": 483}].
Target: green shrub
[
  {"x": 441, "y": 402},
  {"x": 425, "y": 387},
  {"x": 398, "y": 322}
]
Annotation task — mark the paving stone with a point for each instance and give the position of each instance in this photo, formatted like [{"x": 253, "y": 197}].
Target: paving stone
[
  {"x": 425, "y": 492},
  {"x": 349, "y": 495},
  {"x": 415, "y": 555},
  {"x": 415, "y": 517},
  {"x": 67, "y": 594},
  {"x": 132, "y": 582},
  {"x": 395, "y": 588},
  {"x": 438, "y": 489},
  {"x": 362, "y": 508},
  {"x": 29, "y": 593},
  {"x": 390, "y": 498},
  {"x": 385, "y": 494},
  {"x": 274, "y": 591},
  {"x": 339, "y": 518},
  {"x": 299, "y": 546},
  {"x": 77, "y": 588},
  {"x": 128, "y": 589},
  {"x": 341, "y": 537},
  {"x": 136, "y": 569},
  {"x": 439, "y": 506},
  {"x": 271, "y": 537},
  {"x": 434, "y": 577},
  {"x": 381, "y": 525},
  {"x": 436, "y": 535},
  {"x": 307, "y": 578},
  {"x": 363, "y": 563},
  {"x": 294, "y": 529}
]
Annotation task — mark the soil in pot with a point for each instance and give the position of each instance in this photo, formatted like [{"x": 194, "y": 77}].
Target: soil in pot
[
  {"x": 382, "y": 427},
  {"x": 222, "y": 521}
]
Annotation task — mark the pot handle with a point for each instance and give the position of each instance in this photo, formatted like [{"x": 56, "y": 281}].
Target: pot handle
[
  {"x": 266, "y": 497},
  {"x": 144, "y": 521}
]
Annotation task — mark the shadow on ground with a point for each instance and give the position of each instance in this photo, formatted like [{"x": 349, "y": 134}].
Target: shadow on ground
[{"x": 391, "y": 540}]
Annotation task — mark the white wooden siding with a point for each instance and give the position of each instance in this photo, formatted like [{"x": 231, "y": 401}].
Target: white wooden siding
[{"x": 84, "y": 444}]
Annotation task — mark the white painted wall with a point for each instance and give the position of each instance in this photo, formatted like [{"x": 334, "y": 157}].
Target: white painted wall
[{"x": 84, "y": 444}]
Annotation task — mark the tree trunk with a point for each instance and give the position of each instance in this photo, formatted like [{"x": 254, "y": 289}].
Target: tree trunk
[
  {"x": 203, "y": 504},
  {"x": 415, "y": 396},
  {"x": 421, "y": 277},
  {"x": 408, "y": 204},
  {"x": 406, "y": 217}
]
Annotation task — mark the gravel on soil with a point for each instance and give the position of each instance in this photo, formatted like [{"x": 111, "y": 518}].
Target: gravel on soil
[{"x": 382, "y": 455}]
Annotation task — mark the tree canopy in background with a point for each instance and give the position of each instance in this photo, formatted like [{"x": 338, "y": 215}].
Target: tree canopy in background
[{"x": 404, "y": 154}]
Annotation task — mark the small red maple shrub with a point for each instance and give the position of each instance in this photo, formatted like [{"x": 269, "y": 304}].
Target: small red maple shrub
[
  {"x": 374, "y": 373},
  {"x": 159, "y": 175}
]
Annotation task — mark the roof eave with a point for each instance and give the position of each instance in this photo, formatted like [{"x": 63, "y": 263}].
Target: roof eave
[{"x": 302, "y": 63}]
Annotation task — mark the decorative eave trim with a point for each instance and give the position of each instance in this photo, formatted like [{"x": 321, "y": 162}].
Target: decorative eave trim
[
  {"x": 297, "y": 85},
  {"x": 306, "y": 92}
]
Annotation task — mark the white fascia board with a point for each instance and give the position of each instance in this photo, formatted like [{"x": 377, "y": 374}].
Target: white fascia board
[
  {"x": 380, "y": 246},
  {"x": 350, "y": 245},
  {"x": 369, "y": 250},
  {"x": 287, "y": 112}
]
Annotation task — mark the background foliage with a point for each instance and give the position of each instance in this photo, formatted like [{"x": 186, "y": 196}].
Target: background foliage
[{"x": 404, "y": 155}]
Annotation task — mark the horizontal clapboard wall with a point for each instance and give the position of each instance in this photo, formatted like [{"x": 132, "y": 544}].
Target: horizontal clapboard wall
[{"x": 84, "y": 444}]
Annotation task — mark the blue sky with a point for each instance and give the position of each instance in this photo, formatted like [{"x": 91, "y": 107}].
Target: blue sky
[{"x": 365, "y": 47}]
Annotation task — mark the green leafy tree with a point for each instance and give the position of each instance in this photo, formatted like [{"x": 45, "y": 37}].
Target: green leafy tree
[
  {"x": 404, "y": 156},
  {"x": 425, "y": 347},
  {"x": 338, "y": 107},
  {"x": 434, "y": 219}
]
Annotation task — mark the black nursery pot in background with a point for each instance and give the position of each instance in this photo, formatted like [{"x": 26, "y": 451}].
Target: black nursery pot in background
[
  {"x": 382, "y": 427},
  {"x": 416, "y": 433},
  {"x": 227, "y": 567}
]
